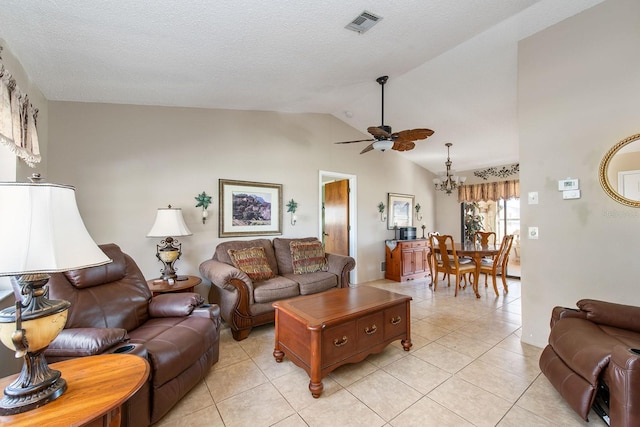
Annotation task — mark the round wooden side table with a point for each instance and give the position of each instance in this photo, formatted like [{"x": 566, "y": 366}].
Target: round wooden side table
[
  {"x": 97, "y": 386},
  {"x": 159, "y": 286}
]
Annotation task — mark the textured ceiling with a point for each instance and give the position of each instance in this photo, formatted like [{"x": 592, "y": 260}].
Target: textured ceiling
[{"x": 452, "y": 64}]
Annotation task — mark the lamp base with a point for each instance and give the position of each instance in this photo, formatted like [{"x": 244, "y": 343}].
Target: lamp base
[{"x": 23, "y": 395}]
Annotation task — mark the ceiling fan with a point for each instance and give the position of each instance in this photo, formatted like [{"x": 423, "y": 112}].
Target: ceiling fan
[{"x": 383, "y": 139}]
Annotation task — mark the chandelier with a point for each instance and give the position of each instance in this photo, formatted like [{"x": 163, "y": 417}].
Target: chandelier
[{"x": 448, "y": 182}]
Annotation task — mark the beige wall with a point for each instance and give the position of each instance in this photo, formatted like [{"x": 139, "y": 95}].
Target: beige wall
[
  {"x": 126, "y": 161},
  {"x": 578, "y": 95}
]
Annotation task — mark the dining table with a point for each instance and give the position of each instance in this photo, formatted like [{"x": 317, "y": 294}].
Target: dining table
[{"x": 476, "y": 252}]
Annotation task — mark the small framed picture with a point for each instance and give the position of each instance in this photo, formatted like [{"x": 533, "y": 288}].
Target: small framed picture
[{"x": 400, "y": 210}]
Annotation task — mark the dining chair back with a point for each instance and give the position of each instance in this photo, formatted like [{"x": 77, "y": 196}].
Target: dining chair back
[
  {"x": 498, "y": 264},
  {"x": 433, "y": 257},
  {"x": 449, "y": 262},
  {"x": 485, "y": 238}
]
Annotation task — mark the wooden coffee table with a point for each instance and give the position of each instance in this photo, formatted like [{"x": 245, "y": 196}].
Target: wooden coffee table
[{"x": 323, "y": 331}]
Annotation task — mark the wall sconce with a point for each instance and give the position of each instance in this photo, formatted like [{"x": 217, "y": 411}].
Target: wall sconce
[
  {"x": 292, "y": 207},
  {"x": 381, "y": 210},
  {"x": 204, "y": 201},
  {"x": 418, "y": 214}
]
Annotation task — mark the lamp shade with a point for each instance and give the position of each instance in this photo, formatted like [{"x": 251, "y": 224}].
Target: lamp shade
[
  {"x": 169, "y": 222},
  {"x": 42, "y": 230}
]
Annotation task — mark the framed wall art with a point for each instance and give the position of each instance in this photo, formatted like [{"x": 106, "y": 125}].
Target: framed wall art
[
  {"x": 249, "y": 208},
  {"x": 400, "y": 211}
]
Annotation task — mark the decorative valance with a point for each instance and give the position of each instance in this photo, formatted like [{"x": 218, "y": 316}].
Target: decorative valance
[
  {"x": 489, "y": 191},
  {"x": 17, "y": 120}
]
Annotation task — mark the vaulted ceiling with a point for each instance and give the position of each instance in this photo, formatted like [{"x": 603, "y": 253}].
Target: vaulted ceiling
[{"x": 452, "y": 65}]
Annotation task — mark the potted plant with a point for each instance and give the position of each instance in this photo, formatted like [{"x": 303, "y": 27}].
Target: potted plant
[{"x": 472, "y": 221}]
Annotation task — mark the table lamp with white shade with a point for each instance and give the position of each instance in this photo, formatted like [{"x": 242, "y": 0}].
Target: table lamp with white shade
[
  {"x": 43, "y": 234},
  {"x": 169, "y": 224}
]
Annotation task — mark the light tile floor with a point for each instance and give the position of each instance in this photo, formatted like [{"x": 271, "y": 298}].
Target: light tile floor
[{"x": 467, "y": 367}]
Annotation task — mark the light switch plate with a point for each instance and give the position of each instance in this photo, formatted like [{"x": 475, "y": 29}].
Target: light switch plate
[
  {"x": 533, "y": 198},
  {"x": 533, "y": 233}
]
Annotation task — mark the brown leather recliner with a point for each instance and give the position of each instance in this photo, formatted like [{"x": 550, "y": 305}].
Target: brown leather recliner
[
  {"x": 112, "y": 310},
  {"x": 594, "y": 355}
]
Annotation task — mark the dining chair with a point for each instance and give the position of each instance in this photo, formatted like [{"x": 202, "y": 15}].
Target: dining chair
[
  {"x": 485, "y": 237},
  {"x": 449, "y": 262},
  {"x": 498, "y": 264},
  {"x": 433, "y": 257}
]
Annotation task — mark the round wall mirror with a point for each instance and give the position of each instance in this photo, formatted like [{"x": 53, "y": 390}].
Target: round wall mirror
[{"x": 620, "y": 171}]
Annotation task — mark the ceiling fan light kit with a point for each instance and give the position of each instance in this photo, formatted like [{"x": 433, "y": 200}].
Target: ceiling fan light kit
[
  {"x": 384, "y": 139},
  {"x": 447, "y": 181},
  {"x": 383, "y": 145}
]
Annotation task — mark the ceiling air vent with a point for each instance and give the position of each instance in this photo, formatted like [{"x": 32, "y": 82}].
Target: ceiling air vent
[{"x": 363, "y": 22}]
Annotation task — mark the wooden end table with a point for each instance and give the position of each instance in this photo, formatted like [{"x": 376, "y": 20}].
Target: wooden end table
[
  {"x": 323, "y": 331},
  {"x": 97, "y": 386},
  {"x": 159, "y": 286}
]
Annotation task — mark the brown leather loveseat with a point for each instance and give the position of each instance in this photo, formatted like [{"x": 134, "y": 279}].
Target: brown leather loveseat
[
  {"x": 245, "y": 302},
  {"x": 593, "y": 355},
  {"x": 112, "y": 311}
]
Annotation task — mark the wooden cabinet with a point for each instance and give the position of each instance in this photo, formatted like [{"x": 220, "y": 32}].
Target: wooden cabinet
[{"x": 407, "y": 259}]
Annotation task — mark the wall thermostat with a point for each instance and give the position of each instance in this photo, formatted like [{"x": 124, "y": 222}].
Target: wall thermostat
[{"x": 568, "y": 184}]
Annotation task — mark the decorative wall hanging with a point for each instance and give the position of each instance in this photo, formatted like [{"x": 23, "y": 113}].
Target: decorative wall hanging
[
  {"x": 249, "y": 208},
  {"x": 418, "y": 214},
  {"x": 204, "y": 201},
  {"x": 501, "y": 172},
  {"x": 381, "y": 208},
  {"x": 17, "y": 119},
  {"x": 292, "y": 207}
]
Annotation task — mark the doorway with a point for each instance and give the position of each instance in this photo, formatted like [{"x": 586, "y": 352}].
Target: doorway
[
  {"x": 343, "y": 214},
  {"x": 501, "y": 217}
]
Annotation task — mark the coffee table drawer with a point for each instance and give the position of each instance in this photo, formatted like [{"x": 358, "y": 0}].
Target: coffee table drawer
[
  {"x": 370, "y": 330},
  {"x": 338, "y": 343},
  {"x": 395, "y": 321}
]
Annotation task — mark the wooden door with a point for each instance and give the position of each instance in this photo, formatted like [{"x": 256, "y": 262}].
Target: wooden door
[{"x": 336, "y": 217}]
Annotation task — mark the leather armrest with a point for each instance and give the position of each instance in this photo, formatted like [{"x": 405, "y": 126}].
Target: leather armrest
[
  {"x": 611, "y": 314},
  {"x": 174, "y": 305},
  {"x": 341, "y": 265},
  {"x": 79, "y": 342},
  {"x": 211, "y": 311},
  {"x": 222, "y": 275},
  {"x": 561, "y": 312}
]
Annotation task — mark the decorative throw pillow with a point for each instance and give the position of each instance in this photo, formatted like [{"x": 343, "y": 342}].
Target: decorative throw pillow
[
  {"x": 253, "y": 262},
  {"x": 308, "y": 257}
]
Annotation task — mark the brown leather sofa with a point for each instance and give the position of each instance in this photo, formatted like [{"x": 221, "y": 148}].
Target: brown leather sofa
[
  {"x": 245, "y": 304},
  {"x": 593, "y": 356},
  {"x": 112, "y": 311}
]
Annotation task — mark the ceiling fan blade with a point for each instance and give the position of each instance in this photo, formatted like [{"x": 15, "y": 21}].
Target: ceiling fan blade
[
  {"x": 351, "y": 142},
  {"x": 412, "y": 134},
  {"x": 378, "y": 133},
  {"x": 403, "y": 145},
  {"x": 367, "y": 148}
]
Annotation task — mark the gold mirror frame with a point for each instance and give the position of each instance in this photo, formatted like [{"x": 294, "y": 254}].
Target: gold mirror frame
[{"x": 604, "y": 166}]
